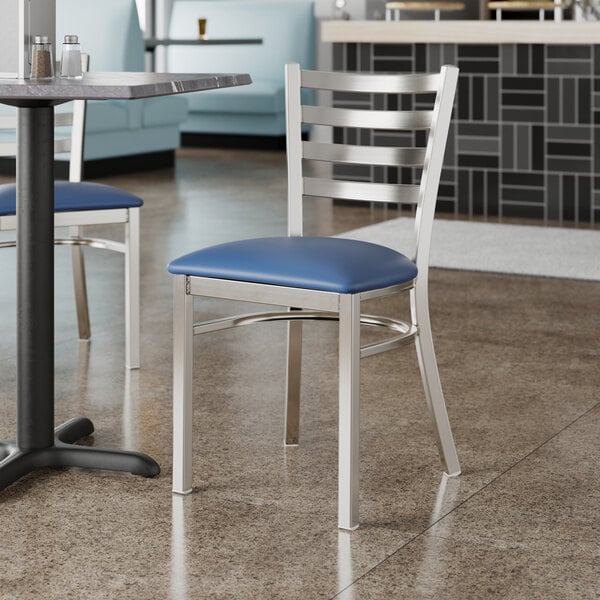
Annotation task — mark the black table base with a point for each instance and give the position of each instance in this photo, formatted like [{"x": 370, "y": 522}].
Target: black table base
[
  {"x": 38, "y": 444},
  {"x": 16, "y": 462}
]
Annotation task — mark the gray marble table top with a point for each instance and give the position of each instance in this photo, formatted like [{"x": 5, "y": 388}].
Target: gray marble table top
[{"x": 115, "y": 86}]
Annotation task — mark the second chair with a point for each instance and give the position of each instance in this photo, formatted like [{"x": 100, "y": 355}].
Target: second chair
[{"x": 78, "y": 204}]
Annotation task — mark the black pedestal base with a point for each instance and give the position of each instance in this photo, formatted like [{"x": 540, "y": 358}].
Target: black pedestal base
[{"x": 16, "y": 462}]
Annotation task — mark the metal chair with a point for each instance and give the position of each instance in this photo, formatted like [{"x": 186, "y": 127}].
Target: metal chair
[
  {"x": 328, "y": 278},
  {"x": 76, "y": 205}
]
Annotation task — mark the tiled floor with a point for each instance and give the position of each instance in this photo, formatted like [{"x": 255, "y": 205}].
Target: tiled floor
[{"x": 519, "y": 363}]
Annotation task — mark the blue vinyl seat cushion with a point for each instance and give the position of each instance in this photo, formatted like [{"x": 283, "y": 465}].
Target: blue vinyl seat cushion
[
  {"x": 72, "y": 196},
  {"x": 316, "y": 263}
]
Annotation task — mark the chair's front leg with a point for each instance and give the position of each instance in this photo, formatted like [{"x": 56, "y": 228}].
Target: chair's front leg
[
  {"x": 293, "y": 383},
  {"x": 349, "y": 412},
  {"x": 80, "y": 287},
  {"x": 132, "y": 290},
  {"x": 183, "y": 350},
  {"x": 431, "y": 379}
]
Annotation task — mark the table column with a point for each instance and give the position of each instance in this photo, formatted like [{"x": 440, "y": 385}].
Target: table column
[{"x": 35, "y": 278}]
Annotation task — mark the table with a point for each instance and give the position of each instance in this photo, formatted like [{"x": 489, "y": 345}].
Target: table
[
  {"x": 37, "y": 443},
  {"x": 394, "y": 8},
  {"x": 525, "y": 5},
  {"x": 153, "y": 43}
]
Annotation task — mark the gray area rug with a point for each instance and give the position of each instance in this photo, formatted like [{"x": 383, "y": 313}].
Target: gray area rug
[{"x": 497, "y": 248}]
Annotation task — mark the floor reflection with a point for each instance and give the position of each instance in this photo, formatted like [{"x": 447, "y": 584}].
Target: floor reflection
[
  {"x": 345, "y": 572},
  {"x": 179, "y": 575},
  {"x": 433, "y": 562},
  {"x": 446, "y": 497},
  {"x": 130, "y": 409},
  {"x": 82, "y": 374}
]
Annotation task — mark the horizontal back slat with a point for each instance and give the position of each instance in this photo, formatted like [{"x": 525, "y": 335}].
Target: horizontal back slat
[
  {"x": 377, "y": 84},
  {"x": 63, "y": 145},
  {"x": 366, "y": 155},
  {"x": 8, "y": 122},
  {"x": 11, "y": 122},
  {"x": 367, "y": 119},
  {"x": 63, "y": 119},
  {"x": 357, "y": 190},
  {"x": 60, "y": 120},
  {"x": 8, "y": 149}
]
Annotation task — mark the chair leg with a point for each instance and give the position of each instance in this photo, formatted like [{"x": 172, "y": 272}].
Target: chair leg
[
  {"x": 431, "y": 379},
  {"x": 183, "y": 349},
  {"x": 132, "y": 290},
  {"x": 293, "y": 380},
  {"x": 79, "y": 284},
  {"x": 349, "y": 412}
]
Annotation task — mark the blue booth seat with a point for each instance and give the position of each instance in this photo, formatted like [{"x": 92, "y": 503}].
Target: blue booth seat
[{"x": 287, "y": 28}]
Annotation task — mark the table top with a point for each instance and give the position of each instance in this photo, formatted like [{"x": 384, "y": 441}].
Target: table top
[
  {"x": 426, "y": 5},
  {"x": 117, "y": 86},
  {"x": 152, "y": 43}
]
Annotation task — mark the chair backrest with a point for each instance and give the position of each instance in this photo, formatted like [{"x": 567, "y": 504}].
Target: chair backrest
[
  {"x": 74, "y": 118},
  {"x": 427, "y": 159}
]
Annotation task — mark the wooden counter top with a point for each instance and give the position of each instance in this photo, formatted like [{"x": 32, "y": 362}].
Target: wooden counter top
[{"x": 462, "y": 32}]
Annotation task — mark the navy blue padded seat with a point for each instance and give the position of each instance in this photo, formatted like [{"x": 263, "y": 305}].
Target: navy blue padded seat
[
  {"x": 71, "y": 196},
  {"x": 326, "y": 264}
]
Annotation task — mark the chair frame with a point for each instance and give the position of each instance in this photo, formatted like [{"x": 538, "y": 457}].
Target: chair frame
[
  {"x": 75, "y": 220},
  {"x": 301, "y": 304}
]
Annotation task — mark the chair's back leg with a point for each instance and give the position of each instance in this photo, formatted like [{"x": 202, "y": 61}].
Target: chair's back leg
[
  {"x": 431, "y": 378},
  {"x": 349, "y": 412},
  {"x": 293, "y": 383},
  {"x": 132, "y": 290},
  {"x": 79, "y": 284}
]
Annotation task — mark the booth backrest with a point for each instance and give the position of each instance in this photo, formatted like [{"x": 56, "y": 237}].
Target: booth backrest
[
  {"x": 286, "y": 26},
  {"x": 108, "y": 30}
]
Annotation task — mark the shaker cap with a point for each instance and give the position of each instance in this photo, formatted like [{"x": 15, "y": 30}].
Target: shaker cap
[
  {"x": 71, "y": 39},
  {"x": 40, "y": 39}
]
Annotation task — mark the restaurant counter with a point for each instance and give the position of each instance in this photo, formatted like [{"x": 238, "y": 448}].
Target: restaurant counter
[{"x": 525, "y": 138}]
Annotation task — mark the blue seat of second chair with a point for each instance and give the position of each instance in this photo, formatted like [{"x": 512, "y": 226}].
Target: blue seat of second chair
[
  {"x": 316, "y": 263},
  {"x": 74, "y": 196}
]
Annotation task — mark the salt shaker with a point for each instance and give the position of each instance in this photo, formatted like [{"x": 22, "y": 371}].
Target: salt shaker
[
  {"x": 42, "y": 66},
  {"x": 70, "y": 64}
]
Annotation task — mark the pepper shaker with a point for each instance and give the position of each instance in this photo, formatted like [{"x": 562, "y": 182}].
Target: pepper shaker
[
  {"x": 70, "y": 64},
  {"x": 42, "y": 66}
]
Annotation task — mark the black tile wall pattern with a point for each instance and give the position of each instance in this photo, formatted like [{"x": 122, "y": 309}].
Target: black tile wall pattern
[
  {"x": 525, "y": 136},
  {"x": 584, "y": 198}
]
